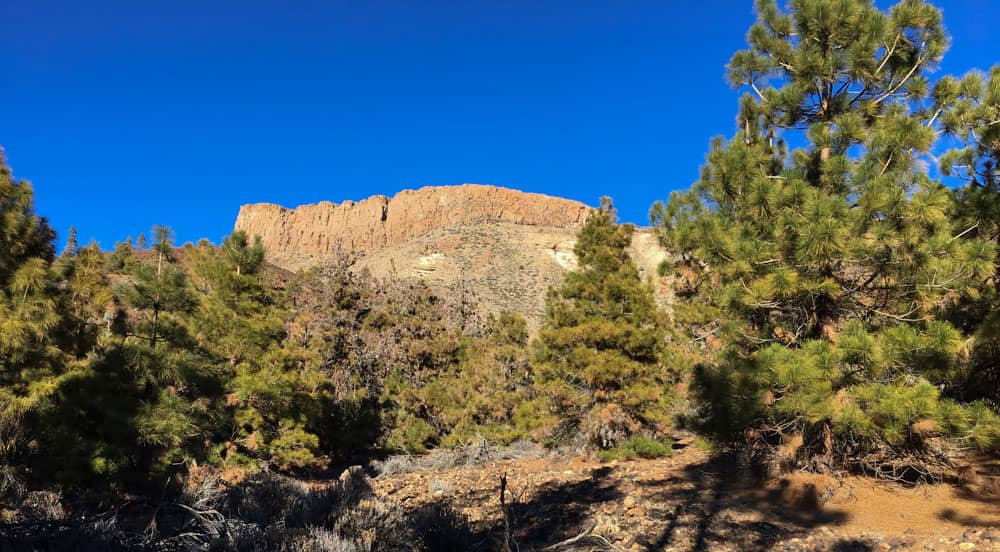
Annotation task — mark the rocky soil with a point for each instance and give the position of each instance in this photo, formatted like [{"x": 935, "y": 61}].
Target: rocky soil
[{"x": 692, "y": 502}]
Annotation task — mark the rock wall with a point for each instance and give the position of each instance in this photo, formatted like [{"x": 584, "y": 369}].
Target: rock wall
[{"x": 295, "y": 238}]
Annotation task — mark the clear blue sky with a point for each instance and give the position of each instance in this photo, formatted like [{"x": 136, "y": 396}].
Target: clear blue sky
[{"x": 130, "y": 113}]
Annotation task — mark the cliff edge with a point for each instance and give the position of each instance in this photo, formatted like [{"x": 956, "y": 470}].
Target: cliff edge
[
  {"x": 296, "y": 238},
  {"x": 502, "y": 246}
]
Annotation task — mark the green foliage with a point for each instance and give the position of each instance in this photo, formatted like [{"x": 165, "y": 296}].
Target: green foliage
[
  {"x": 122, "y": 259},
  {"x": 600, "y": 358},
  {"x": 30, "y": 361},
  {"x": 273, "y": 400},
  {"x": 824, "y": 269},
  {"x": 160, "y": 287},
  {"x": 271, "y": 396},
  {"x": 90, "y": 304},
  {"x": 704, "y": 444},
  {"x": 970, "y": 111},
  {"x": 481, "y": 394},
  {"x": 637, "y": 446},
  {"x": 25, "y": 234}
]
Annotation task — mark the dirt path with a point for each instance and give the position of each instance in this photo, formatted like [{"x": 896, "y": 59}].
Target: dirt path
[{"x": 687, "y": 502}]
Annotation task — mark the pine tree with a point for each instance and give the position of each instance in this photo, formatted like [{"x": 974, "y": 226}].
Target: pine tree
[
  {"x": 329, "y": 304},
  {"x": 241, "y": 254},
  {"x": 600, "y": 355},
  {"x": 89, "y": 299},
  {"x": 483, "y": 395},
  {"x": 828, "y": 263},
  {"x": 30, "y": 361},
  {"x": 71, "y": 243},
  {"x": 122, "y": 259},
  {"x": 159, "y": 287},
  {"x": 271, "y": 396},
  {"x": 972, "y": 115},
  {"x": 412, "y": 341},
  {"x": 25, "y": 234}
]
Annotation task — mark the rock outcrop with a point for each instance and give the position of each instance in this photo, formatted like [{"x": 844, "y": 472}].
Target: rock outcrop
[
  {"x": 296, "y": 238},
  {"x": 503, "y": 247}
]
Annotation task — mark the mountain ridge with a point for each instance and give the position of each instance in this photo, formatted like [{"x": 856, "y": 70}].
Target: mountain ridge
[
  {"x": 505, "y": 246},
  {"x": 296, "y": 237}
]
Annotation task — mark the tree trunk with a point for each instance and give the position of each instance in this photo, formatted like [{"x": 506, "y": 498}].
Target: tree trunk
[
  {"x": 824, "y": 152},
  {"x": 824, "y": 156},
  {"x": 156, "y": 302}
]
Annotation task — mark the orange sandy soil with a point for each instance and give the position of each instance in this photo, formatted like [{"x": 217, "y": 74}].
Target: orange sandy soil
[{"x": 690, "y": 502}]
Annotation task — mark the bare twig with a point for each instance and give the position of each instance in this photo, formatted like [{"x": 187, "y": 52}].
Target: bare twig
[
  {"x": 509, "y": 544},
  {"x": 585, "y": 538}
]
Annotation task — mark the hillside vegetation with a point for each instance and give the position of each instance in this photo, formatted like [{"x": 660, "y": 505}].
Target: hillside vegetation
[{"x": 837, "y": 312}]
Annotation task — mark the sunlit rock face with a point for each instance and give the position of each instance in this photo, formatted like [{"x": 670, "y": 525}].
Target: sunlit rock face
[
  {"x": 504, "y": 248},
  {"x": 297, "y": 237}
]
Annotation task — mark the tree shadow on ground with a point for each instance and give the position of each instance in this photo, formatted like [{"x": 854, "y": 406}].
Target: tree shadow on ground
[
  {"x": 949, "y": 514},
  {"x": 557, "y": 512},
  {"x": 705, "y": 506},
  {"x": 851, "y": 545},
  {"x": 983, "y": 488},
  {"x": 713, "y": 503}
]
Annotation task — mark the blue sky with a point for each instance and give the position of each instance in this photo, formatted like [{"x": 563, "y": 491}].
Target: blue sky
[{"x": 126, "y": 114}]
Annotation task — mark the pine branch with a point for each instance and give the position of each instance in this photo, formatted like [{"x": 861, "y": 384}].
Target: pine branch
[
  {"x": 964, "y": 232},
  {"x": 934, "y": 118},
  {"x": 920, "y": 61},
  {"x": 899, "y": 317},
  {"x": 886, "y": 166},
  {"x": 888, "y": 55}
]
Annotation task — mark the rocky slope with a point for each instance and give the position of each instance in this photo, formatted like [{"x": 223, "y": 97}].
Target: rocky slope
[{"x": 503, "y": 247}]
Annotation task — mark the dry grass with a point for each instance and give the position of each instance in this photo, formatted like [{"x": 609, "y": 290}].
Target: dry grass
[{"x": 476, "y": 453}]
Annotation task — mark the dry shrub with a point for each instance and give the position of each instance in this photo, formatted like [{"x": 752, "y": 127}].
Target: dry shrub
[
  {"x": 937, "y": 459},
  {"x": 203, "y": 489},
  {"x": 18, "y": 504},
  {"x": 41, "y": 506},
  {"x": 924, "y": 428},
  {"x": 786, "y": 456},
  {"x": 264, "y": 513},
  {"x": 319, "y": 540},
  {"x": 608, "y": 426},
  {"x": 807, "y": 492},
  {"x": 440, "y": 487},
  {"x": 440, "y": 528},
  {"x": 967, "y": 474},
  {"x": 352, "y": 486},
  {"x": 990, "y": 487},
  {"x": 479, "y": 451},
  {"x": 377, "y": 526},
  {"x": 754, "y": 456},
  {"x": 397, "y": 465},
  {"x": 266, "y": 499},
  {"x": 12, "y": 489}
]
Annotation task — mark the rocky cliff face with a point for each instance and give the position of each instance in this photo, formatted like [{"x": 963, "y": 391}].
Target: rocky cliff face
[
  {"x": 296, "y": 238},
  {"x": 503, "y": 247}
]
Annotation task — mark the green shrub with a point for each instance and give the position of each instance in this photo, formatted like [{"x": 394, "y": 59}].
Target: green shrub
[
  {"x": 704, "y": 444},
  {"x": 638, "y": 446}
]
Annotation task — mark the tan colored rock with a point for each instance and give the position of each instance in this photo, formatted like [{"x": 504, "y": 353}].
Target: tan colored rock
[
  {"x": 503, "y": 248},
  {"x": 298, "y": 237}
]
